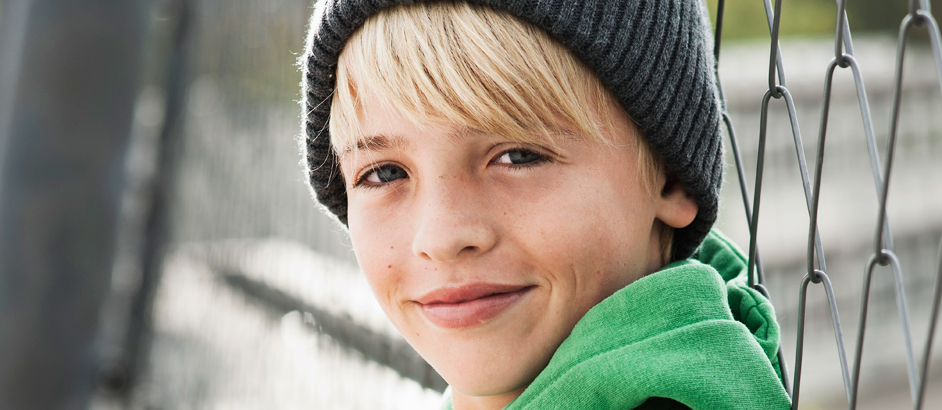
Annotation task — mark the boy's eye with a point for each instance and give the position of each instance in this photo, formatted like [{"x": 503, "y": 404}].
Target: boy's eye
[
  {"x": 383, "y": 174},
  {"x": 519, "y": 157}
]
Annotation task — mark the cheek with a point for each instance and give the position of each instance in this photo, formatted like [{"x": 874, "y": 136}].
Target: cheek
[
  {"x": 590, "y": 240},
  {"x": 378, "y": 249}
]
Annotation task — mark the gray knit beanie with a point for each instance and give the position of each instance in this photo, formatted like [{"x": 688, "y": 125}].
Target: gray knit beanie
[{"x": 654, "y": 55}]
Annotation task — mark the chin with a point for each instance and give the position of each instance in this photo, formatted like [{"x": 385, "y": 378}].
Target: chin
[
  {"x": 482, "y": 366},
  {"x": 492, "y": 382}
]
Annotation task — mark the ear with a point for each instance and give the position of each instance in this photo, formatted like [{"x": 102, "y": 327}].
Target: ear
[{"x": 675, "y": 207}]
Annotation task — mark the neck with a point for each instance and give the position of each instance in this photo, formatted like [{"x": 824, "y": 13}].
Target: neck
[{"x": 461, "y": 401}]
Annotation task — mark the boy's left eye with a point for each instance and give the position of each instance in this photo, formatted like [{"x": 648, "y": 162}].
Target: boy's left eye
[{"x": 520, "y": 157}]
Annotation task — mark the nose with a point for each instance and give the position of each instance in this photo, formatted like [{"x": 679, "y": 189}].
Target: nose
[{"x": 453, "y": 222}]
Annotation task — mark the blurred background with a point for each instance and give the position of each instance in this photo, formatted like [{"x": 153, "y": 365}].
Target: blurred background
[{"x": 160, "y": 249}]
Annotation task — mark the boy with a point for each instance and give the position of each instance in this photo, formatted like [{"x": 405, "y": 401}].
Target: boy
[{"x": 529, "y": 188}]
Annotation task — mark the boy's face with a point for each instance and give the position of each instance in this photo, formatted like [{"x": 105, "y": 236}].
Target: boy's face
[{"x": 485, "y": 253}]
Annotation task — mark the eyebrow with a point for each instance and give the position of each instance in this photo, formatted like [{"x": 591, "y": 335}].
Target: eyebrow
[
  {"x": 464, "y": 132},
  {"x": 377, "y": 142},
  {"x": 384, "y": 142}
]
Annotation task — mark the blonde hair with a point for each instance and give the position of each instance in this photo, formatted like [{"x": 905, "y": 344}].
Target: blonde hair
[{"x": 481, "y": 68}]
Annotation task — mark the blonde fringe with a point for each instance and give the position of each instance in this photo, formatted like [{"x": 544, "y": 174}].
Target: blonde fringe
[{"x": 481, "y": 68}]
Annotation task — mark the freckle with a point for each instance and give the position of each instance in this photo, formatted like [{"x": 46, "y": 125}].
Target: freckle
[{"x": 391, "y": 247}]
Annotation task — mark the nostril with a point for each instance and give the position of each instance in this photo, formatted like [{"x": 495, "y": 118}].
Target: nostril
[
  {"x": 468, "y": 249},
  {"x": 452, "y": 244}
]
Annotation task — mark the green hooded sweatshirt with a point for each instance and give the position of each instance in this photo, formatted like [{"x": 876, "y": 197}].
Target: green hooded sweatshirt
[{"x": 693, "y": 332}]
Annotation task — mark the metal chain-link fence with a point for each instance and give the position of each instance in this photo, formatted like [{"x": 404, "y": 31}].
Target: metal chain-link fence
[{"x": 883, "y": 247}]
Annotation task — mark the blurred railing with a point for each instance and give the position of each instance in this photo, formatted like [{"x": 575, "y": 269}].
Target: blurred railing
[{"x": 66, "y": 98}]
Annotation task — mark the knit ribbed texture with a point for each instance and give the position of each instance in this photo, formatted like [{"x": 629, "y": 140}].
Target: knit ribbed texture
[{"x": 654, "y": 55}]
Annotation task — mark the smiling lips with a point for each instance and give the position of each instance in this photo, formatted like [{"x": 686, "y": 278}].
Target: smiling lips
[{"x": 469, "y": 305}]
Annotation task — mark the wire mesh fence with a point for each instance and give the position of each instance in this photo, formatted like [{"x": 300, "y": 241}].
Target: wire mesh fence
[
  {"x": 232, "y": 290},
  {"x": 883, "y": 253}
]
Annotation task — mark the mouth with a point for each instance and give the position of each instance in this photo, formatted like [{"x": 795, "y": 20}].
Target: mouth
[{"x": 469, "y": 305}]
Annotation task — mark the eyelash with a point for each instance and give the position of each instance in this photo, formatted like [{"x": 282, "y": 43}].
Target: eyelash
[
  {"x": 541, "y": 159},
  {"x": 360, "y": 181}
]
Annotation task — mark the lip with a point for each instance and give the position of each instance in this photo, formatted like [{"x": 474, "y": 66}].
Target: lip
[{"x": 469, "y": 305}]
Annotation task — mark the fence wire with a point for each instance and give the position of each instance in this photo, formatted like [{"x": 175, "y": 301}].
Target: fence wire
[{"x": 883, "y": 254}]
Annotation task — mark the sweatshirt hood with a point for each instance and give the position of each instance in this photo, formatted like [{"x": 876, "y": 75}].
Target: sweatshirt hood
[{"x": 747, "y": 305}]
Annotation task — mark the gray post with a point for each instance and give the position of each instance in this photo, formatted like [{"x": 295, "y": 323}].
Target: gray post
[{"x": 68, "y": 82}]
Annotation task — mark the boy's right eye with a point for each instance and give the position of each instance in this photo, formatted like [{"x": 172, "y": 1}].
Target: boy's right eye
[{"x": 382, "y": 174}]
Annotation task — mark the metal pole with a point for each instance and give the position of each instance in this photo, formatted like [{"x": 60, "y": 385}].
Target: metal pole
[{"x": 67, "y": 119}]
